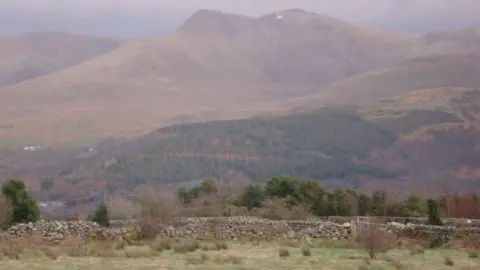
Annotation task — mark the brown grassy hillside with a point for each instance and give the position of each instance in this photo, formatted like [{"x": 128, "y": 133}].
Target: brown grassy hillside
[
  {"x": 451, "y": 70},
  {"x": 223, "y": 66},
  {"x": 32, "y": 55},
  {"x": 215, "y": 66}
]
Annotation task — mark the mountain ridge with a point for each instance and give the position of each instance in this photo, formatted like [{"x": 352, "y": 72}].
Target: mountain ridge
[{"x": 207, "y": 71}]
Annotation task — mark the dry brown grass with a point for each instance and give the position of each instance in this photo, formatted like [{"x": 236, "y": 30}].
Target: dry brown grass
[{"x": 264, "y": 256}]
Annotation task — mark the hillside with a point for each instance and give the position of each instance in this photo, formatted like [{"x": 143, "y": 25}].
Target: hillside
[
  {"x": 33, "y": 55},
  {"x": 252, "y": 148},
  {"x": 411, "y": 141},
  {"x": 338, "y": 146},
  {"x": 450, "y": 70},
  {"x": 216, "y": 66}
]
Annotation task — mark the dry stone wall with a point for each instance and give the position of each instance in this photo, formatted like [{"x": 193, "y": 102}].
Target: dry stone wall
[
  {"x": 231, "y": 228},
  {"x": 429, "y": 232},
  {"x": 195, "y": 228}
]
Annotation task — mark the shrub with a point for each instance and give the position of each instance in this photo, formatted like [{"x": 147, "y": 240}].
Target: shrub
[
  {"x": 417, "y": 251},
  {"x": 101, "y": 215},
  {"x": 448, "y": 261},
  {"x": 186, "y": 246},
  {"x": 473, "y": 255},
  {"x": 398, "y": 265},
  {"x": 375, "y": 241},
  {"x": 433, "y": 216},
  {"x": 50, "y": 253},
  {"x": 306, "y": 252},
  {"x": 437, "y": 241},
  {"x": 208, "y": 247},
  {"x": 155, "y": 211},
  {"x": 197, "y": 260},
  {"x": 160, "y": 244},
  {"x": 221, "y": 245},
  {"x": 283, "y": 252},
  {"x": 233, "y": 259},
  {"x": 24, "y": 208},
  {"x": 138, "y": 252}
]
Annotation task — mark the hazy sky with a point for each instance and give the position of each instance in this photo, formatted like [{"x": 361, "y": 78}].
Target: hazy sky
[{"x": 150, "y": 17}]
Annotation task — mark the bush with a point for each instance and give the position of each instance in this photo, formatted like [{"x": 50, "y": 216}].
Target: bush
[
  {"x": 306, "y": 252},
  {"x": 186, "y": 246},
  {"x": 138, "y": 252},
  {"x": 155, "y": 211},
  {"x": 449, "y": 261},
  {"x": 398, "y": 265},
  {"x": 24, "y": 208},
  {"x": 376, "y": 241},
  {"x": 417, "y": 251},
  {"x": 433, "y": 216},
  {"x": 473, "y": 255},
  {"x": 101, "y": 215},
  {"x": 221, "y": 245},
  {"x": 437, "y": 241},
  {"x": 160, "y": 244},
  {"x": 233, "y": 259},
  {"x": 50, "y": 253},
  {"x": 283, "y": 252}
]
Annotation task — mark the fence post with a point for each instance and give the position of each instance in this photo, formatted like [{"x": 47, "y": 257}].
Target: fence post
[{"x": 354, "y": 228}]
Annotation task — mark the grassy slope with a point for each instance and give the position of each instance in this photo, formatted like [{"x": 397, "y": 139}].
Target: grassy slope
[
  {"x": 33, "y": 55},
  {"x": 452, "y": 71}
]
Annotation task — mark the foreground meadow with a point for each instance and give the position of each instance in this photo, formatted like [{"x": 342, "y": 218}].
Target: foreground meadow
[{"x": 236, "y": 256}]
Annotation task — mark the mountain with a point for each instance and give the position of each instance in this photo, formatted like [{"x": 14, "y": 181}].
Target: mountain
[
  {"x": 449, "y": 70},
  {"x": 216, "y": 66},
  {"x": 33, "y": 55}
]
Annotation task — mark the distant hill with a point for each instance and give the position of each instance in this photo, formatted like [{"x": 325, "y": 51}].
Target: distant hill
[
  {"x": 450, "y": 70},
  {"x": 216, "y": 66},
  {"x": 76, "y": 90},
  {"x": 33, "y": 55},
  {"x": 411, "y": 141},
  {"x": 387, "y": 144}
]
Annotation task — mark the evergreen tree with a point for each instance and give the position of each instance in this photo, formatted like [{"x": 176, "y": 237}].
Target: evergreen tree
[
  {"x": 24, "y": 208},
  {"x": 253, "y": 196},
  {"x": 101, "y": 215},
  {"x": 433, "y": 216}
]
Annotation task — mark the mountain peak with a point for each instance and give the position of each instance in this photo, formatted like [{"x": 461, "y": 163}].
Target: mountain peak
[{"x": 206, "y": 21}]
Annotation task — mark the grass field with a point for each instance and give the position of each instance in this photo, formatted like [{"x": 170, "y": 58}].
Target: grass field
[{"x": 248, "y": 256}]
